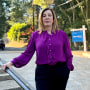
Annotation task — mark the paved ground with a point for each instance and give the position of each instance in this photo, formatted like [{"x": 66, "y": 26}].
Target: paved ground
[{"x": 79, "y": 78}]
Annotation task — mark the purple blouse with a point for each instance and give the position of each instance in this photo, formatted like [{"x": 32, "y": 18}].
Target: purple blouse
[{"x": 50, "y": 49}]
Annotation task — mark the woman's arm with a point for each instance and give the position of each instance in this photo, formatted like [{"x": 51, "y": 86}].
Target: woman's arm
[
  {"x": 26, "y": 56},
  {"x": 68, "y": 53}
]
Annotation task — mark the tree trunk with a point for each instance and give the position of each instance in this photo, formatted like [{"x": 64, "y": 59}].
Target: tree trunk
[{"x": 88, "y": 22}]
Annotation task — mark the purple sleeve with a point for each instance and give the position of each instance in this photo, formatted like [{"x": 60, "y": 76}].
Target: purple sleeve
[
  {"x": 68, "y": 53},
  {"x": 25, "y": 57}
]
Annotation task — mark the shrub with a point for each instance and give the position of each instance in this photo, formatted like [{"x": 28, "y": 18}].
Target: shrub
[{"x": 14, "y": 32}]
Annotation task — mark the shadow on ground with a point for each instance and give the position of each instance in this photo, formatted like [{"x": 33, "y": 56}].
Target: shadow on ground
[{"x": 13, "y": 49}]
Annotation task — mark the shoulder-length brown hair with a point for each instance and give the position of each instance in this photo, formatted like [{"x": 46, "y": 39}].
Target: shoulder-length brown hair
[{"x": 41, "y": 26}]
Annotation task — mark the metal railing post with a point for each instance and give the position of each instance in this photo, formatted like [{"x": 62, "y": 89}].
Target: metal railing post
[{"x": 20, "y": 80}]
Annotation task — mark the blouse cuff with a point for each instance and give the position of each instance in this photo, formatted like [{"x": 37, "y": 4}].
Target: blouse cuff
[
  {"x": 71, "y": 67},
  {"x": 14, "y": 62}
]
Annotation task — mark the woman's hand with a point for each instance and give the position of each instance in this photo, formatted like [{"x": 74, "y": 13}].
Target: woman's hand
[{"x": 9, "y": 64}]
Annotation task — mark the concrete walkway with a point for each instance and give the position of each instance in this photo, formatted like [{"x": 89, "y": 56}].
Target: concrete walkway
[{"x": 79, "y": 78}]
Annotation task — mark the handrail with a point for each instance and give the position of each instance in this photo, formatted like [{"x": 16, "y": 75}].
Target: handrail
[{"x": 17, "y": 77}]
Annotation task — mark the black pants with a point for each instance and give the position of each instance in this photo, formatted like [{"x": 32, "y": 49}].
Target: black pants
[{"x": 51, "y": 77}]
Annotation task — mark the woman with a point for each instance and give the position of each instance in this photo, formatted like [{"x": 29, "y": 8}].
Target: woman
[{"x": 53, "y": 54}]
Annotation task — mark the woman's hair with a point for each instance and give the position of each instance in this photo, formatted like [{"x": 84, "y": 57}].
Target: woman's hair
[{"x": 54, "y": 25}]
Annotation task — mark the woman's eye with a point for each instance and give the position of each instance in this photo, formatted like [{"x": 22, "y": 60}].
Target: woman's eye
[
  {"x": 49, "y": 15},
  {"x": 44, "y": 15}
]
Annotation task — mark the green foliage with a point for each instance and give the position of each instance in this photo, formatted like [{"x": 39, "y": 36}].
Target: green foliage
[
  {"x": 4, "y": 10},
  {"x": 22, "y": 11},
  {"x": 14, "y": 32},
  {"x": 29, "y": 17},
  {"x": 17, "y": 12},
  {"x": 43, "y": 3},
  {"x": 23, "y": 31},
  {"x": 73, "y": 18},
  {"x": 25, "y": 27}
]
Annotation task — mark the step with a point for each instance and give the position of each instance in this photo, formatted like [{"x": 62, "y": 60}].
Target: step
[
  {"x": 1, "y": 71},
  {"x": 4, "y": 77},
  {"x": 9, "y": 85},
  {"x": 18, "y": 88}
]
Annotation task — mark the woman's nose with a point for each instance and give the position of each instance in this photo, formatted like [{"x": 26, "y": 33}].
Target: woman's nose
[{"x": 47, "y": 16}]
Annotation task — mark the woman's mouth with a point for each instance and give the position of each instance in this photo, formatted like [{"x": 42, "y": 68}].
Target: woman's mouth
[{"x": 47, "y": 21}]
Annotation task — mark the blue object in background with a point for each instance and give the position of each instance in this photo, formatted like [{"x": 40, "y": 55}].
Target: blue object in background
[{"x": 77, "y": 36}]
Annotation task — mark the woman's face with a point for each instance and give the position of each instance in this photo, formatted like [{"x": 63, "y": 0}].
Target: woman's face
[{"x": 47, "y": 18}]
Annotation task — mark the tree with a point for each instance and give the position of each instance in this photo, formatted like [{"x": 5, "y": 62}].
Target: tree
[
  {"x": 4, "y": 10},
  {"x": 17, "y": 11},
  {"x": 14, "y": 32},
  {"x": 43, "y": 3},
  {"x": 22, "y": 11},
  {"x": 69, "y": 13},
  {"x": 72, "y": 14}
]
